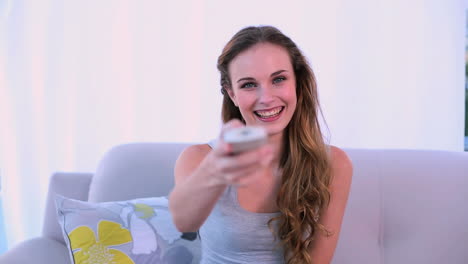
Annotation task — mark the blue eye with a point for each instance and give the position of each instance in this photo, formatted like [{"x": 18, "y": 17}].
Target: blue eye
[
  {"x": 279, "y": 79},
  {"x": 248, "y": 85}
]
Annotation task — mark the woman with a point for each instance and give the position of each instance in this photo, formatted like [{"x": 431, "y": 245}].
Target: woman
[{"x": 284, "y": 201}]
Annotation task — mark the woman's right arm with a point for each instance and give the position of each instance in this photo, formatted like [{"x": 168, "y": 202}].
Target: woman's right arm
[
  {"x": 195, "y": 193},
  {"x": 202, "y": 174}
]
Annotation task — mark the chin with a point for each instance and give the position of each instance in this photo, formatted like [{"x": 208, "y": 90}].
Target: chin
[{"x": 274, "y": 131}]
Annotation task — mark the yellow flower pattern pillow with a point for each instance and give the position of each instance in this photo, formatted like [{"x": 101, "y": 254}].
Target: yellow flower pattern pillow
[{"x": 137, "y": 231}]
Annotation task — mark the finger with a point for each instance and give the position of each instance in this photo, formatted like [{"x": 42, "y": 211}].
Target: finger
[
  {"x": 243, "y": 182},
  {"x": 233, "y": 163},
  {"x": 260, "y": 156},
  {"x": 221, "y": 147},
  {"x": 234, "y": 177},
  {"x": 230, "y": 176},
  {"x": 233, "y": 123},
  {"x": 248, "y": 179}
]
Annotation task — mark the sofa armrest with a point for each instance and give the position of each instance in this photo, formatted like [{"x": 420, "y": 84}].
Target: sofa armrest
[
  {"x": 71, "y": 185},
  {"x": 40, "y": 250}
]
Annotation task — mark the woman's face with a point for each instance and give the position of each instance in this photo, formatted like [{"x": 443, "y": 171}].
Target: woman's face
[{"x": 264, "y": 86}]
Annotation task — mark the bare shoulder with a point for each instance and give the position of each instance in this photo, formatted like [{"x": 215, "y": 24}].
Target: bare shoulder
[
  {"x": 342, "y": 166},
  {"x": 195, "y": 151},
  {"x": 189, "y": 159},
  {"x": 323, "y": 248}
]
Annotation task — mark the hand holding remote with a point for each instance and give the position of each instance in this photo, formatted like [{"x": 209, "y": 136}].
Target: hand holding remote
[
  {"x": 245, "y": 138},
  {"x": 240, "y": 156}
]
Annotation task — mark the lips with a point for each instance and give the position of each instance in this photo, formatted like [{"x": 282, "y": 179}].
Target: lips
[{"x": 269, "y": 113}]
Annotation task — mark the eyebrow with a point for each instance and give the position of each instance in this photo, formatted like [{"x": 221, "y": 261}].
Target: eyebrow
[{"x": 251, "y": 79}]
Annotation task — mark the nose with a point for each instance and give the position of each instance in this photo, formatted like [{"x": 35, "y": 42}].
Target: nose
[{"x": 266, "y": 94}]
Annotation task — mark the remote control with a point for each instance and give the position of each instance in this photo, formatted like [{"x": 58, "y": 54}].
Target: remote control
[{"x": 245, "y": 138}]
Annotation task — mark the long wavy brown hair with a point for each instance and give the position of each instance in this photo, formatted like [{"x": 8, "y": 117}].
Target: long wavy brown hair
[{"x": 305, "y": 163}]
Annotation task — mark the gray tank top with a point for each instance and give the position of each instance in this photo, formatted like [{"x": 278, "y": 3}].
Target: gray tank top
[{"x": 232, "y": 235}]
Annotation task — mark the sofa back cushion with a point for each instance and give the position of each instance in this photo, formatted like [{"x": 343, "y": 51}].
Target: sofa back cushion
[
  {"x": 361, "y": 232},
  {"x": 71, "y": 184},
  {"x": 135, "y": 170},
  {"x": 406, "y": 206},
  {"x": 424, "y": 205}
]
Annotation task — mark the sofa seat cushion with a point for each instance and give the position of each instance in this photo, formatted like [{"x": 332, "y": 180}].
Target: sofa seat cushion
[{"x": 41, "y": 250}]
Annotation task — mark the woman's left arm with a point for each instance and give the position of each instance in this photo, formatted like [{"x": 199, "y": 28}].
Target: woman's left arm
[{"x": 323, "y": 247}]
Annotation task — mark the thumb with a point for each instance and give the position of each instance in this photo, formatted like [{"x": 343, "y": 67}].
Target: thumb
[
  {"x": 233, "y": 123},
  {"x": 221, "y": 147}
]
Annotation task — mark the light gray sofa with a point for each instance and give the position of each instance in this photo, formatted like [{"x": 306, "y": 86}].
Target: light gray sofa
[{"x": 405, "y": 206}]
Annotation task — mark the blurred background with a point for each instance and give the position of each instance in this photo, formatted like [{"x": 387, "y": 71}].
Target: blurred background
[{"x": 78, "y": 77}]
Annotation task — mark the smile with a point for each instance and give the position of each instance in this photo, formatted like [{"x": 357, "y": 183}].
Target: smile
[{"x": 269, "y": 113}]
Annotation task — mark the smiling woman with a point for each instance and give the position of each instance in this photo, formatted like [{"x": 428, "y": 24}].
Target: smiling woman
[{"x": 282, "y": 202}]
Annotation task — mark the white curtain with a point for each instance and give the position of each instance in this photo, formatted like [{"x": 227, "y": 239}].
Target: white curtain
[{"x": 78, "y": 77}]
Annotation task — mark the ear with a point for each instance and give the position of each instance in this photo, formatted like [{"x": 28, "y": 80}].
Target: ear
[{"x": 232, "y": 96}]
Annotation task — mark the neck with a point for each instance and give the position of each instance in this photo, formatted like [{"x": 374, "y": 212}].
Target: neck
[{"x": 276, "y": 142}]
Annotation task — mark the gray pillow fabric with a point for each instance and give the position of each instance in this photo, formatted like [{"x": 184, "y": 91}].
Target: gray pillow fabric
[{"x": 138, "y": 231}]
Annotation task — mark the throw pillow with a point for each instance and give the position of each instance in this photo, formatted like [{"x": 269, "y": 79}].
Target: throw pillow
[{"x": 138, "y": 231}]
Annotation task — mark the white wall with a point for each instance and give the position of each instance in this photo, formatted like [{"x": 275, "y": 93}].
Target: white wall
[
  {"x": 400, "y": 75},
  {"x": 78, "y": 77}
]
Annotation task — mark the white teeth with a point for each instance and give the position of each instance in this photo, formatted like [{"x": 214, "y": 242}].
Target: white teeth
[{"x": 269, "y": 113}]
